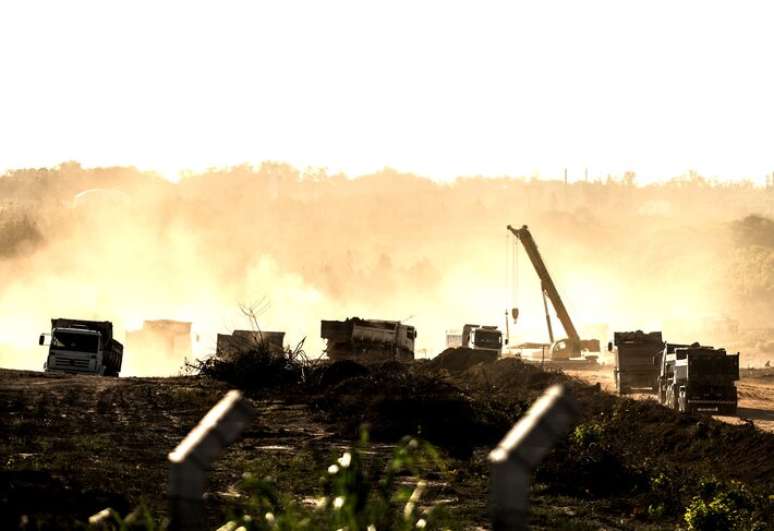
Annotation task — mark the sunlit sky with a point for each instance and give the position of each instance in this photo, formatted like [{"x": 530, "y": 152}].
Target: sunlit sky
[{"x": 438, "y": 88}]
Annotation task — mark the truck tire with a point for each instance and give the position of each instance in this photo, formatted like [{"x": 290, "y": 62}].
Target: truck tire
[
  {"x": 682, "y": 401},
  {"x": 729, "y": 410},
  {"x": 671, "y": 399}
]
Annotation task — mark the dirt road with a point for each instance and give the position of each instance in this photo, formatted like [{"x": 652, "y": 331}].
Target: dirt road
[{"x": 755, "y": 392}]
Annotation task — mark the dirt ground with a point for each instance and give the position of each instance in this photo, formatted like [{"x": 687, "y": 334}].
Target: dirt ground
[
  {"x": 755, "y": 391},
  {"x": 84, "y": 443},
  {"x": 72, "y": 445}
]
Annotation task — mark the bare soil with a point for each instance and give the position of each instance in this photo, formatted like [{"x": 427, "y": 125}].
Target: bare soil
[
  {"x": 755, "y": 392},
  {"x": 73, "y": 445}
]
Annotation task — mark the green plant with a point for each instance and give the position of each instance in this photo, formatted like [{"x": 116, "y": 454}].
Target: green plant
[
  {"x": 723, "y": 506},
  {"x": 718, "y": 514},
  {"x": 663, "y": 496},
  {"x": 587, "y": 434},
  {"x": 140, "y": 518},
  {"x": 356, "y": 494}
]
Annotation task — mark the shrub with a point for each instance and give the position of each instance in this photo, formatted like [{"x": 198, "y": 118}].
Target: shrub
[
  {"x": 718, "y": 514},
  {"x": 587, "y": 434},
  {"x": 254, "y": 367},
  {"x": 721, "y": 506}
]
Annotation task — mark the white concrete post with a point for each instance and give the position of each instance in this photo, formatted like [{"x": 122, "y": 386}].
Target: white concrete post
[
  {"x": 519, "y": 453},
  {"x": 188, "y": 463}
]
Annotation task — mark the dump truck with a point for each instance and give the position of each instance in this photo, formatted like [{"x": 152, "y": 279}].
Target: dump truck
[
  {"x": 479, "y": 337},
  {"x": 637, "y": 361},
  {"x": 245, "y": 340},
  {"x": 368, "y": 340},
  {"x": 79, "y": 346},
  {"x": 453, "y": 338},
  {"x": 698, "y": 379}
]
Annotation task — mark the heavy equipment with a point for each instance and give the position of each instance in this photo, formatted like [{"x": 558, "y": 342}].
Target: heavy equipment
[
  {"x": 563, "y": 349},
  {"x": 637, "y": 361},
  {"x": 473, "y": 345},
  {"x": 453, "y": 338},
  {"x": 368, "y": 340},
  {"x": 79, "y": 346},
  {"x": 698, "y": 379},
  {"x": 479, "y": 337}
]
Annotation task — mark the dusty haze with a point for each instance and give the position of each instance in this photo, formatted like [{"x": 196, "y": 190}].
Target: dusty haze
[{"x": 681, "y": 256}]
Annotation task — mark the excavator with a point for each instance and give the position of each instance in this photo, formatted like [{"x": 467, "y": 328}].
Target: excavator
[{"x": 562, "y": 349}]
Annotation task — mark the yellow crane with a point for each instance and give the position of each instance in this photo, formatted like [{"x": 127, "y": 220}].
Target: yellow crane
[{"x": 563, "y": 349}]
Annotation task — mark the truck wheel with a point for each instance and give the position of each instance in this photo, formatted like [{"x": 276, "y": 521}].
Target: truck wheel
[
  {"x": 682, "y": 402},
  {"x": 672, "y": 399}
]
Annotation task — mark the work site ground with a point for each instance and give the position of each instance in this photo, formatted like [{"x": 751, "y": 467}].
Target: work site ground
[
  {"x": 71, "y": 446},
  {"x": 755, "y": 390}
]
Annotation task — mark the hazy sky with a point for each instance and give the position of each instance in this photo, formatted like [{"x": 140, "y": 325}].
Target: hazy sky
[{"x": 437, "y": 88}]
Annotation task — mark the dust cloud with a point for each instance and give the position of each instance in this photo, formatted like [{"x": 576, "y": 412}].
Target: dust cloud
[{"x": 688, "y": 256}]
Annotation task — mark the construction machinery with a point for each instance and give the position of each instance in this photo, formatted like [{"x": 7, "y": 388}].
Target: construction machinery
[
  {"x": 637, "y": 361},
  {"x": 229, "y": 345},
  {"x": 368, "y": 340},
  {"x": 698, "y": 379},
  {"x": 562, "y": 349},
  {"x": 479, "y": 337},
  {"x": 453, "y": 338},
  {"x": 78, "y": 346}
]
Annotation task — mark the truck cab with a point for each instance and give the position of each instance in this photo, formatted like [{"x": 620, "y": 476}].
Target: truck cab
[{"x": 482, "y": 338}]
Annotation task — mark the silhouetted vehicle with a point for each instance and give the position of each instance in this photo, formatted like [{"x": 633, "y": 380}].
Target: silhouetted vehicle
[
  {"x": 572, "y": 345},
  {"x": 83, "y": 347},
  {"x": 368, "y": 340},
  {"x": 637, "y": 361},
  {"x": 698, "y": 379},
  {"x": 478, "y": 337}
]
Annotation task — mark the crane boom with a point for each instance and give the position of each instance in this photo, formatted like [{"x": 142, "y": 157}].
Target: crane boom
[
  {"x": 526, "y": 239},
  {"x": 573, "y": 344}
]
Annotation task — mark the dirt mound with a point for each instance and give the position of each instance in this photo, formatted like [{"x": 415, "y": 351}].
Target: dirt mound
[
  {"x": 515, "y": 375},
  {"x": 338, "y": 371},
  {"x": 632, "y": 432},
  {"x": 459, "y": 359},
  {"x": 21, "y": 492},
  {"x": 395, "y": 401}
]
